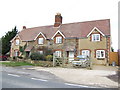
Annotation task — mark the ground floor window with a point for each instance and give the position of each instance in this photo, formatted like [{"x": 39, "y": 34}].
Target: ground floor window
[
  {"x": 41, "y": 52},
  {"x": 100, "y": 53},
  {"x": 58, "y": 53},
  {"x": 86, "y": 52},
  {"x": 16, "y": 53}
]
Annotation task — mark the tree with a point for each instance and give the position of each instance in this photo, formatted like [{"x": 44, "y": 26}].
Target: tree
[
  {"x": 6, "y": 40},
  {"x": 112, "y": 49}
]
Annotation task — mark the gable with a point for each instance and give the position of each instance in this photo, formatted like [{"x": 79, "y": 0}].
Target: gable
[
  {"x": 58, "y": 33},
  {"x": 40, "y": 34},
  {"x": 95, "y": 30},
  {"x": 16, "y": 37}
]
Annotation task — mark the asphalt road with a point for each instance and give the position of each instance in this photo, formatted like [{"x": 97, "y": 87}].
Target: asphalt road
[
  {"x": 18, "y": 77},
  {"x": 17, "y": 81}
]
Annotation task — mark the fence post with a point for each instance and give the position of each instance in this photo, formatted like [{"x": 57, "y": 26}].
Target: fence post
[{"x": 53, "y": 60}]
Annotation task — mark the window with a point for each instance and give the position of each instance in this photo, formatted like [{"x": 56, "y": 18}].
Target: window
[
  {"x": 17, "y": 42},
  {"x": 40, "y": 41},
  {"x": 41, "y": 52},
  {"x": 58, "y": 39},
  {"x": 58, "y": 53},
  {"x": 86, "y": 52},
  {"x": 95, "y": 37},
  {"x": 16, "y": 53},
  {"x": 100, "y": 54}
]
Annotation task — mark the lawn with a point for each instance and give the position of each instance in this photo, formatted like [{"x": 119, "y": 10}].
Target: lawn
[{"x": 15, "y": 63}]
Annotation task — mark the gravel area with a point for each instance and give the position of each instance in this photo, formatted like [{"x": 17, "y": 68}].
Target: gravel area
[{"x": 99, "y": 76}]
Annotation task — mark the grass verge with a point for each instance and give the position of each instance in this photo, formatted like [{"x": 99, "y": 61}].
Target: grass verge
[{"x": 15, "y": 63}]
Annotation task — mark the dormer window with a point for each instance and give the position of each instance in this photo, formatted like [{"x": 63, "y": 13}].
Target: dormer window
[
  {"x": 95, "y": 37},
  {"x": 17, "y": 42},
  {"x": 40, "y": 40},
  {"x": 59, "y": 39}
]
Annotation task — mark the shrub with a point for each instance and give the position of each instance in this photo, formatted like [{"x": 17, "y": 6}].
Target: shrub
[
  {"x": 14, "y": 58},
  {"x": 49, "y": 57},
  {"x": 20, "y": 57},
  {"x": 37, "y": 56}
]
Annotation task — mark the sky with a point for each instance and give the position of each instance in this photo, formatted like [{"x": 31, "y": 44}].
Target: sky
[{"x": 33, "y": 13}]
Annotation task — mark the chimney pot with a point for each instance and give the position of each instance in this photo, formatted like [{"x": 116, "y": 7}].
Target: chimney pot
[{"x": 24, "y": 27}]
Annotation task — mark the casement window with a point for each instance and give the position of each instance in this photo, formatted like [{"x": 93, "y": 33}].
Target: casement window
[
  {"x": 40, "y": 40},
  {"x": 41, "y": 52},
  {"x": 16, "y": 53},
  {"x": 86, "y": 52},
  {"x": 17, "y": 42},
  {"x": 58, "y": 53},
  {"x": 95, "y": 37},
  {"x": 100, "y": 53},
  {"x": 58, "y": 39}
]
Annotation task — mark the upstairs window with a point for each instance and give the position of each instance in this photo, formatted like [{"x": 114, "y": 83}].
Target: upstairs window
[
  {"x": 58, "y": 39},
  {"x": 40, "y": 40},
  {"x": 100, "y": 54},
  {"x": 95, "y": 37},
  {"x": 17, "y": 42},
  {"x": 58, "y": 53},
  {"x": 86, "y": 52}
]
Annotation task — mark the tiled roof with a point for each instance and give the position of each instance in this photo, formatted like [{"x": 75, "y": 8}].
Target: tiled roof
[{"x": 77, "y": 29}]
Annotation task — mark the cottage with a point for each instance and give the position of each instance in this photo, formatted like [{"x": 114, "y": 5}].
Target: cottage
[{"x": 90, "y": 38}]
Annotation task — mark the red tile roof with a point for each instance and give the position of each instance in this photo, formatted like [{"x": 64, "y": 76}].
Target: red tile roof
[{"x": 77, "y": 29}]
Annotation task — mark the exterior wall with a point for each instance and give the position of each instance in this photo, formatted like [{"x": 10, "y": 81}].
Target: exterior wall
[
  {"x": 15, "y": 47},
  {"x": 79, "y": 44},
  {"x": 86, "y": 43}
]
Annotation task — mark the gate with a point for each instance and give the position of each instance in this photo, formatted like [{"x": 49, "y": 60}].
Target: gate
[{"x": 113, "y": 58}]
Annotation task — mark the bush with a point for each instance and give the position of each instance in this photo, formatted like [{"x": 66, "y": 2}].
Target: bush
[
  {"x": 37, "y": 56},
  {"x": 49, "y": 57},
  {"x": 14, "y": 58},
  {"x": 20, "y": 57}
]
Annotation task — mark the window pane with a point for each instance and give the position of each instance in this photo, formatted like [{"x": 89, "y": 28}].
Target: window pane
[
  {"x": 100, "y": 54},
  {"x": 86, "y": 52},
  {"x": 41, "y": 52},
  {"x": 40, "y": 41},
  {"x": 17, "y": 42},
  {"x": 58, "y": 53},
  {"x": 58, "y": 39},
  {"x": 96, "y": 37}
]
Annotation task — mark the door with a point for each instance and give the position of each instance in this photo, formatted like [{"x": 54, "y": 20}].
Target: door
[{"x": 71, "y": 56}]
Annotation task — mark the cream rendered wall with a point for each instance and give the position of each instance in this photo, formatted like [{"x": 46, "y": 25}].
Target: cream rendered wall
[{"x": 87, "y": 44}]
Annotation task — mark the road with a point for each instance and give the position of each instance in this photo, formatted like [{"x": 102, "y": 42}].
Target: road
[
  {"x": 17, "y": 77},
  {"x": 21, "y": 78}
]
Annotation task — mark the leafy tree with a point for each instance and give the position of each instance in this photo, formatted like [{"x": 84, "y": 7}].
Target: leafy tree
[
  {"x": 6, "y": 40},
  {"x": 112, "y": 49}
]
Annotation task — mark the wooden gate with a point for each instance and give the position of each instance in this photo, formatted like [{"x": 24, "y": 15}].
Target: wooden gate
[{"x": 113, "y": 57}]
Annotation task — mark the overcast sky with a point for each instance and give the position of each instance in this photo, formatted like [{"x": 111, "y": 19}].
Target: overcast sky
[{"x": 32, "y": 13}]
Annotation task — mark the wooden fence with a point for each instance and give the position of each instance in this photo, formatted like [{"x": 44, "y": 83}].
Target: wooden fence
[{"x": 113, "y": 57}]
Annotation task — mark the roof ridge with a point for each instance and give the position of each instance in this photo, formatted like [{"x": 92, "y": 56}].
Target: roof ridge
[{"x": 86, "y": 21}]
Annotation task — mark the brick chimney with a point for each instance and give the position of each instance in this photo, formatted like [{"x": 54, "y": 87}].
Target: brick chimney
[
  {"x": 58, "y": 20},
  {"x": 24, "y": 27}
]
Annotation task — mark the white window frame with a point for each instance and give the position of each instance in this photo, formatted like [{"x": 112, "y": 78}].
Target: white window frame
[
  {"x": 99, "y": 54},
  {"x": 40, "y": 40},
  {"x": 58, "y": 53},
  {"x": 17, "y": 42},
  {"x": 16, "y": 53},
  {"x": 86, "y": 52},
  {"x": 59, "y": 39},
  {"x": 94, "y": 37},
  {"x": 41, "y": 52}
]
